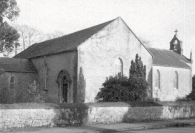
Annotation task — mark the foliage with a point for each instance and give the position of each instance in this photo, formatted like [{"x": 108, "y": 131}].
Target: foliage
[
  {"x": 145, "y": 42},
  {"x": 121, "y": 88},
  {"x": 5, "y": 96},
  {"x": 8, "y": 35},
  {"x": 114, "y": 90},
  {"x": 8, "y": 9},
  {"x": 191, "y": 96},
  {"x": 30, "y": 36},
  {"x": 179, "y": 99},
  {"x": 193, "y": 83},
  {"x": 30, "y": 94},
  {"x": 22, "y": 95},
  {"x": 137, "y": 68}
]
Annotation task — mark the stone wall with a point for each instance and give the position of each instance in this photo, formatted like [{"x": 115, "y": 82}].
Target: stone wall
[
  {"x": 50, "y": 116},
  {"x": 10, "y": 118}
]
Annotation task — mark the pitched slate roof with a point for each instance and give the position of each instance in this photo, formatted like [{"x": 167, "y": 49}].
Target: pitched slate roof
[
  {"x": 168, "y": 58},
  {"x": 16, "y": 65},
  {"x": 61, "y": 44}
]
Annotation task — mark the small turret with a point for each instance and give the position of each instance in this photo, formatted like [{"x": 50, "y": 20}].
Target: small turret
[{"x": 176, "y": 44}]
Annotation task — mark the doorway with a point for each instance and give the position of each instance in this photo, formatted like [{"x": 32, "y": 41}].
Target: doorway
[
  {"x": 64, "y": 85},
  {"x": 64, "y": 89}
]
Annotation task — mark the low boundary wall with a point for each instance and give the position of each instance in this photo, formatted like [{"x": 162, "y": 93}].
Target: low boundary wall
[{"x": 37, "y": 115}]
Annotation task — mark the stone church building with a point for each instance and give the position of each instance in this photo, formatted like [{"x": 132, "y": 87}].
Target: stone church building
[{"x": 73, "y": 67}]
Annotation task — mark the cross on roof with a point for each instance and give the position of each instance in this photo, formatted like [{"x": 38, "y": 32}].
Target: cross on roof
[{"x": 176, "y": 31}]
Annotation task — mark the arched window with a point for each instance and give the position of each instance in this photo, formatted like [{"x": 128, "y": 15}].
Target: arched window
[
  {"x": 118, "y": 67},
  {"x": 157, "y": 79},
  {"x": 176, "y": 80},
  {"x": 12, "y": 82}
]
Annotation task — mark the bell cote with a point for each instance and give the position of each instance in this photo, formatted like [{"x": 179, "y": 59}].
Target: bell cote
[{"x": 176, "y": 44}]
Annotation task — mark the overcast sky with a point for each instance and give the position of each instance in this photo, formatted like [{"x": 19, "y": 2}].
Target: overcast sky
[{"x": 152, "y": 20}]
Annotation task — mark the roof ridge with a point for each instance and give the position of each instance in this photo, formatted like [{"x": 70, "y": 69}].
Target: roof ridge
[
  {"x": 64, "y": 43},
  {"x": 87, "y": 28},
  {"x": 108, "y": 22}
]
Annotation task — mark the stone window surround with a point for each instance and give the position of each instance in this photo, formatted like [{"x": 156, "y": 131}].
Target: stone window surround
[
  {"x": 176, "y": 81},
  {"x": 157, "y": 79},
  {"x": 118, "y": 65},
  {"x": 12, "y": 81}
]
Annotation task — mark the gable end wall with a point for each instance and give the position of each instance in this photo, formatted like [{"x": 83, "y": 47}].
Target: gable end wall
[{"x": 96, "y": 58}]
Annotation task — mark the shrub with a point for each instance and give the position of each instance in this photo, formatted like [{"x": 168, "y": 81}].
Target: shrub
[
  {"x": 137, "y": 68},
  {"x": 6, "y": 96},
  {"x": 191, "y": 96},
  {"x": 30, "y": 94},
  {"x": 181, "y": 99},
  {"x": 120, "y": 88}
]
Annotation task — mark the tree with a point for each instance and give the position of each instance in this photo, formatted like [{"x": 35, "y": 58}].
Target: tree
[
  {"x": 137, "y": 68},
  {"x": 145, "y": 42},
  {"x": 121, "y": 88},
  {"x": 8, "y": 35},
  {"x": 8, "y": 9},
  {"x": 55, "y": 34},
  {"x": 29, "y": 35},
  {"x": 191, "y": 96},
  {"x": 193, "y": 83}
]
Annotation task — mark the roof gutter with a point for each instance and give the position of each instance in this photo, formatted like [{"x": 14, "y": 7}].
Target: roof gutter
[
  {"x": 67, "y": 51},
  {"x": 21, "y": 71}
]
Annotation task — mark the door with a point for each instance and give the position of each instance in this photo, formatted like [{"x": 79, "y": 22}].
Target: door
[{"x": 64, "y": 89}]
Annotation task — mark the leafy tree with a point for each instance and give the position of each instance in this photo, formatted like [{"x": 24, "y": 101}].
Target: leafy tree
[
  {"x": 121, "y": 88},
  {"x": 137, "y": 68},
  {"x": 8, "y": 35},
  {"x": 193, "y": 83},
  {"x": 191, "y": 96},
  {"x": 8, "y": 9}
]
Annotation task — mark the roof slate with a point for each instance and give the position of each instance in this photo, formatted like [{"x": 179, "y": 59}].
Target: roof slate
[
  {"x": 16, "y": 65},
  {"x": 168, "y": 58},
  {"x": 61, "y": 44}
]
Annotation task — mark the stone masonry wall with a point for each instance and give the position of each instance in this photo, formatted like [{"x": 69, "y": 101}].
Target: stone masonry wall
[
  {"x": 10, "y": 118},
  {"x": 89, "y": 114}
]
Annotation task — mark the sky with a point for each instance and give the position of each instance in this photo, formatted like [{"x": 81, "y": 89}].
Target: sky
[{"x": 151, "y": 20}]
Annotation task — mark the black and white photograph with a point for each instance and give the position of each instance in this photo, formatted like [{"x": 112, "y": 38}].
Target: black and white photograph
[{"x": 97, "y": 66}]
